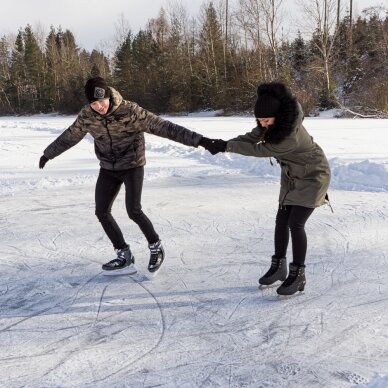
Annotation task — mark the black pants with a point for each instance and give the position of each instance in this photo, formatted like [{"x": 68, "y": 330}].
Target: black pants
[
  {"x": 292, "y": 218},
  {"x": 107, "y": 187}
]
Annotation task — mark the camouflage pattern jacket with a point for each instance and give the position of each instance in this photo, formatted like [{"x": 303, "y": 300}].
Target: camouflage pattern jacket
[{"x": 119, "y": 135}]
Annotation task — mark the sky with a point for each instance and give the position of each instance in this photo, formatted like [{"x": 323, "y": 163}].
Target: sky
[
  {"x": 203, "y": 321},
  {"x": 94, "y": 22}
]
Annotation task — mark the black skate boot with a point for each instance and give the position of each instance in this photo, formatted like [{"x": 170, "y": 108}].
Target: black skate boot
[
  {"x": 277, "y": 271},
  {"x": 156, "y": 258},
  {"x": 295, "y": 281},
  {"x": 122, "y": 265}
]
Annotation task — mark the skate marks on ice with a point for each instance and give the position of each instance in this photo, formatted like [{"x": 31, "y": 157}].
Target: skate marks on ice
[
  {"x": 207, "y": 335},
  {"x": 56, "y": 317},
  {"x": 92, "y": 323},
  {"x": 208, "y": 324},
  {"x": 130, "y": 362}
]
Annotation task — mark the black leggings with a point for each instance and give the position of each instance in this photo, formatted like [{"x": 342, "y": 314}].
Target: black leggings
[
  {"x": 107, "y": 187},
  {"x": 292, "y": 218}
]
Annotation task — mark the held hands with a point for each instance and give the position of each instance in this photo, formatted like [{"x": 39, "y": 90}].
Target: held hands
[
  {"x": 214, "y": 146},
  {"x": 42, "y": 161}
]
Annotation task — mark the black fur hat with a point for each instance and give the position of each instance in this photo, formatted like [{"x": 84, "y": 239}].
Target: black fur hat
[
  {"x": 269, "y": 96},
  {"x": 267, "y": 105},
  {"x": 96, "y": 89},
  {"x": 284, "y": 108}
]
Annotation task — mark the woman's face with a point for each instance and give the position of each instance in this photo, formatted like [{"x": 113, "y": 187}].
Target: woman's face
[
  {"x": 266, "y": 121},
  {"x": 100, "y": 106}
]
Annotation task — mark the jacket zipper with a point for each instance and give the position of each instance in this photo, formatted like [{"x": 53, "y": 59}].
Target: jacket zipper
[{"x": 111, "y": 141}]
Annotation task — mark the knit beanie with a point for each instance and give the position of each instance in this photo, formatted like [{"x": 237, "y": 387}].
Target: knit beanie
[
  {"x": 96, "y": 89},
  {"x": 267, "y": 105}
]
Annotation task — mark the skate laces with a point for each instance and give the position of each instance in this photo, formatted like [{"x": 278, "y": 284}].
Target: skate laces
[
  {"x": 120, "y": 254},
  {"x": 116, "y": 262},
  {"x": 155, "y": 249},
  {"x": 120, "y": 257},
  {"x": 274, "y": 264}
]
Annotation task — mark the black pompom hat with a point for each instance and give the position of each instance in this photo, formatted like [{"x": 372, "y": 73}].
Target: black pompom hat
[{"x": 96, "y": 89}]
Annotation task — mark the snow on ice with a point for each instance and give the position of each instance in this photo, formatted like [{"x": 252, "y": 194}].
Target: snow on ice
[{"x": 202, "y": 322}]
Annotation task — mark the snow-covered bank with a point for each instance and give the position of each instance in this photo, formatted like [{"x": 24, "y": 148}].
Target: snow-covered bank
[{"x": 356, "y": 149}]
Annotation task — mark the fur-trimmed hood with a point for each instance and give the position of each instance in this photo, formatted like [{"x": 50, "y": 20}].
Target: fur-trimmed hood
[{"x": 287, "y": 117}]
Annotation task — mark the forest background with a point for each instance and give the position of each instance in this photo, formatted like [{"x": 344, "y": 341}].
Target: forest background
[{"x": 178, "y": 64}]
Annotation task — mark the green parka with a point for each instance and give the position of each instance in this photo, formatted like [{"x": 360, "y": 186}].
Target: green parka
[
  {"x": 119, "y": 135},
  {"x": 305, "y": 171}
]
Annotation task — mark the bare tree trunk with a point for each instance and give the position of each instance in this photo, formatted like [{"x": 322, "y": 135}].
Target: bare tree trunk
[
  {"x": 190, "y": 47},
  {"x": 322, "y": 16},
  {"x": 338, "y": 12},
  {"x": 7, "y": 99},
  {"x": 213, "y": 59},
  {"x": 272, "y": 19},
  {"x": 263, "y": 18},
  {"x": 226, "y": 38},
  {"x": 351, "y": 25}
]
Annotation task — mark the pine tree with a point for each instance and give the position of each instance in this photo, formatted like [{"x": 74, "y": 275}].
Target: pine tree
[
  {"x": 34, "y": 72},
  {"x": 53, "y": 69},
  {"x": 179, "y": 65},
  {"x": 5, "y": 103},
  {"x": 145, "y": 60},
  {"x": 99, "y": 64},
  {"x": 123, "y": 72},
  {"x": 299, "y": 57},
  {"x": 18, "y": 74},
  {"x": 210, "y": 59},
  {"x": 72, "y": 75}
]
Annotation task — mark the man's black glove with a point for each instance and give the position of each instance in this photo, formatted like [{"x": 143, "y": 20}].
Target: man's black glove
[
  {"x": 42, "y": 161},
  {"x": 214, "y": 146}
]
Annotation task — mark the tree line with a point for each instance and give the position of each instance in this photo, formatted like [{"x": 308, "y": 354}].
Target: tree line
[{"x": 215, "y": 61}]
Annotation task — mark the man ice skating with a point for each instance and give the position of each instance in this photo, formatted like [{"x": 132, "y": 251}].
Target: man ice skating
[{"x": 118, "y": 127}]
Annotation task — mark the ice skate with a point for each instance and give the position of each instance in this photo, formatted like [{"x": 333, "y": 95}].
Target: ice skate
[
  {"x": 156, "y": 258},
  {"x": 124, "y": 264},
  {"x": 277, "y": 271},
  {"x": 295, "y": 281}
]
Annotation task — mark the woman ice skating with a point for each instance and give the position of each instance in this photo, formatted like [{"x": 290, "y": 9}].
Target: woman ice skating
[
  {"x": 305, "y": 176},
  {"x": 118, "y": 127}
]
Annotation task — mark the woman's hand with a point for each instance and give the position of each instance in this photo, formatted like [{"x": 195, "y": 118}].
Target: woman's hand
[{"x": 214, "y": 146}]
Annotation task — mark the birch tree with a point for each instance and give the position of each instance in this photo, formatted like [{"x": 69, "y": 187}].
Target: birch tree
[{"x": 320, "y": 19}]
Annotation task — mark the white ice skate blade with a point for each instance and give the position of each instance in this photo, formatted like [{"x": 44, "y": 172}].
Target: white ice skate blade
[
  {"x": 277, "y": 283},
  {"x": 285, "y": 297},
  {"x": 269, "y": 286},
  {"x": 130, "y": 270}
]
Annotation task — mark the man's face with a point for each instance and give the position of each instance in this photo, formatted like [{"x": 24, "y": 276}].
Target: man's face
[{"x": 100, "y": 106}]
